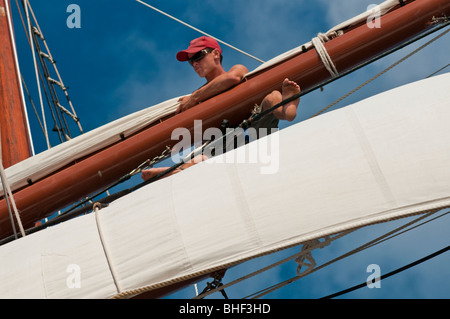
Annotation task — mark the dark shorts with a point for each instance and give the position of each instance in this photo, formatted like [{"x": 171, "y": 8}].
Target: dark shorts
[{"x": 266, "y": 125}]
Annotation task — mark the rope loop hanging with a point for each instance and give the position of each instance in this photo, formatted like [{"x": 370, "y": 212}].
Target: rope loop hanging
[{"x": 305, "y": 254}]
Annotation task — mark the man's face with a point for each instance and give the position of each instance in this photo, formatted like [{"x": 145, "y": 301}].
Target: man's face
[{"x": 205, "y": 64}]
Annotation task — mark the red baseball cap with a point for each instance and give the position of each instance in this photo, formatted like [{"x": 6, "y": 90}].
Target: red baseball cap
[{"x": 197, "y": 45}]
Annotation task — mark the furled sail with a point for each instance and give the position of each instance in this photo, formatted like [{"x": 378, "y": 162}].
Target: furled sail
[{"x": 49, "y": 161}]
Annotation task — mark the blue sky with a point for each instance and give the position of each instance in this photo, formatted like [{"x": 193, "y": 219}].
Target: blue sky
[{"x": 122, "y": 59}]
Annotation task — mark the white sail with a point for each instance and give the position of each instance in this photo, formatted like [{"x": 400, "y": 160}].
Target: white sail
[{"x": 382, "y": 158}]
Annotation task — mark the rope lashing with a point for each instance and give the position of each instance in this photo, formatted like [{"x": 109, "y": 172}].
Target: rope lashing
[
  {"x": 10, "y": 201},
  {"x": 307, "y": 248},
  {"x": 318, "y": 43},
  {"x": 384, "y": 71},
  {"x": 9, "y": 196}
]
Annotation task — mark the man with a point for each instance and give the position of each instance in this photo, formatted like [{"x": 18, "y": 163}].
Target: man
[{"x": 205, "y": 56}]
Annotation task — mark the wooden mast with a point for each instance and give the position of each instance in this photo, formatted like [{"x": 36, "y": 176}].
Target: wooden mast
[
  {"x": 103, "y": 168},
  {"x": 14, "y": 130}
]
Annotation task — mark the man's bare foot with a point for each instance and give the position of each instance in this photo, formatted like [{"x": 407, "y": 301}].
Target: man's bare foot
[{"x": 289, "y": 89}]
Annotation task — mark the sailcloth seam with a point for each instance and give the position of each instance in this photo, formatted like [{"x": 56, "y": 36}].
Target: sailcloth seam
[
  {"x": 371, "y": 158},
  {"x": 244, "y": 210},
  {"x": 176, "y": 228}
]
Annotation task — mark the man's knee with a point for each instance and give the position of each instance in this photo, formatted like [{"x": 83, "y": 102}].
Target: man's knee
[{"x": 273, "y": 98}]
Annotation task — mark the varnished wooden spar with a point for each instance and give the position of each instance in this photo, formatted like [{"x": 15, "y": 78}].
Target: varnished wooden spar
[
  {"x": 104, "y": 167},
  {"x": 14, "y": 132}
]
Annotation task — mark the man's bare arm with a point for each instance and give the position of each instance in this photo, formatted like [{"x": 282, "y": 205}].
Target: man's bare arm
[{"x": 221, "y": 83}]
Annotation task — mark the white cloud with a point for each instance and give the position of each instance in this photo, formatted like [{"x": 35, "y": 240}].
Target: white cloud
[{"x": 340, "y": 11}]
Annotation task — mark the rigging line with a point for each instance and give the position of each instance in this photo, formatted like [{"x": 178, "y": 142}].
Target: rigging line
[
  {"x": 273, "y": 265},
  {"x": 43, "y": 80},
  {"x": 394, "y": 272},
  {"x": 73, "y": 211},
  {"x": 32, "y": 103},
  {"x": 16, "y": 61},
  {"x": 129, "y": 190},
  {"x": 40, "y": 76},
  {"x": 369, "y": 245},
  {"x": 8, "y": 193},
  {"x": 23, "y": 80},
  {"x": 409, "y": 229},
  {"x": 245, "y": 123},
  {"x": 382, "y": 72},
  {"x": 8, "y": 197},
  {"x": 9, "y": 206},
  {"x": 438, "y": 71},
  {"x": 198, "y": 30},
  {"x": 38, "y": 33},
  {"x": 352, "y": 252},
  {"x": 59, "y": 119},
  {"x": 56, "y": 69},
  {"x": 24, "y": 3},
  {"x": 340, "y": 75},
  {"x": 126, "y": 177}
]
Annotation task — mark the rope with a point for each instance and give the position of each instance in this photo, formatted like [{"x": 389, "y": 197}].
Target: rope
[
  {"x": 97, "y": 207},
  {"x": 43, "y": 127},
  {"x": 16, "y": 61},
  {"x": 9, "y": 196},
  {"x": 306, "y": 249},
  {"x": 33, "y": 37},
  {"x": 318, "y": 43},
  {"x": 198, "y": 30},
  {"x": 443, "y": 68},
  {"x": 256, "y": 117},
  {"x": 36, "y": 71},
  {"x": 352, "y": 252},
  {"x": 50, "y": 58},
  {"x": 311, "y": 245},
  {"x": 138, "y": 291},
  {"x": 32, "y": 104},
  {"x": 382, "y": 72},
  {"x": 398, "y": 270}
]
